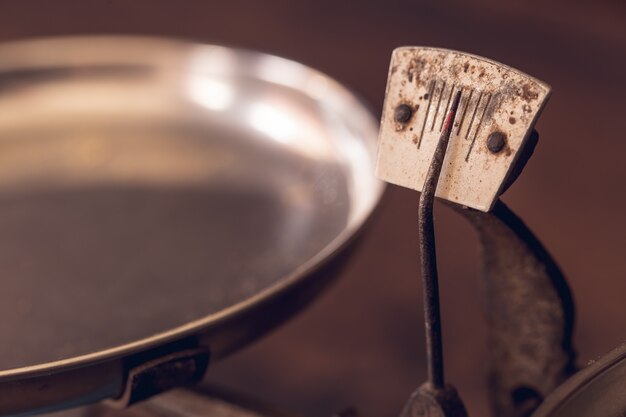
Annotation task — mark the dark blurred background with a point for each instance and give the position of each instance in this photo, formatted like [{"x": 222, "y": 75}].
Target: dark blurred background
[{"x": 362, "y": 343}]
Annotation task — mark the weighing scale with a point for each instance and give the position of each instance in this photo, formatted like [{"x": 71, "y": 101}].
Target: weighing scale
[{"x": 164, "y": 203}]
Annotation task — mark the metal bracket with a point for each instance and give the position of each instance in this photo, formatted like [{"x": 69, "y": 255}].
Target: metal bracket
[
  {"x": 529, "y": 311},
  {"x": 163, "y": 373}
]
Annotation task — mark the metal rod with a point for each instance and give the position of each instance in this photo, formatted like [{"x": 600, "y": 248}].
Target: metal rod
[{"x": 430, "y": 284}]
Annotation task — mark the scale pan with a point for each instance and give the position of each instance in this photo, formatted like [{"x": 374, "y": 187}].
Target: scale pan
[
  {"x": 157, "y": 195},
  {"x": 595, "y": 391}
]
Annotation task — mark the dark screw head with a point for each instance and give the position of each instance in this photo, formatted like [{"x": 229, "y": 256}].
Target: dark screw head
[
  {"x": 496, "y": 142},
  {"x": 403, "y": 113}
]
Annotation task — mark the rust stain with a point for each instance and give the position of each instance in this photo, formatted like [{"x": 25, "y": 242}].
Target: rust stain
[{"x": 528, "y": 93}]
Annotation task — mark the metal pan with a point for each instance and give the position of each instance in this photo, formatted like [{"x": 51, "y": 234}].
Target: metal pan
[
  {"x": 599, "y": 390},
  {"x": 160, "y": 196}
]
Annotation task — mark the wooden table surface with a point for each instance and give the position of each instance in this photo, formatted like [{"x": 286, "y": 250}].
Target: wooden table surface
[{"x": 362, "y": 343}]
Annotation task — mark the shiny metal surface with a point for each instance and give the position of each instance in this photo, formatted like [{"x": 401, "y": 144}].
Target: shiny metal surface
[{"x": 150, "y": 189}]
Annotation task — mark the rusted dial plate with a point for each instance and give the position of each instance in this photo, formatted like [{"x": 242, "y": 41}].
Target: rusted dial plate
[{"x": 499, "y": 106}]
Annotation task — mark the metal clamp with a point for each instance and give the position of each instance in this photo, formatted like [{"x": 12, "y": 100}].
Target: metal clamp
[{"x": 163, "y": 373}]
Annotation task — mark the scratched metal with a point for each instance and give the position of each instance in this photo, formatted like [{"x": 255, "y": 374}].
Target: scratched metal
[{"x": 494, "y": 98}]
